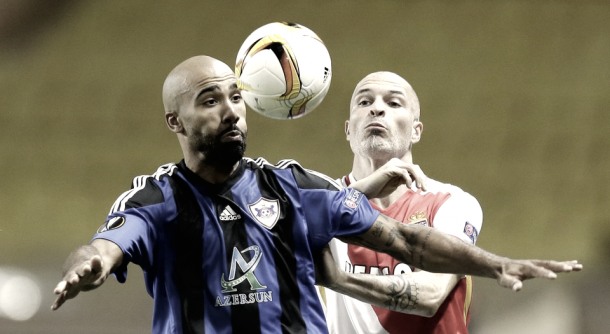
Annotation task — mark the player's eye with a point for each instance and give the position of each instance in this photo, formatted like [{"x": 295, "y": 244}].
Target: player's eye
[
  {"x": 364, "y": 103},
  {"x": 236, "y": 98},
  {"x": 394, "y": 103},
  {"x": 209, "y": 102}
]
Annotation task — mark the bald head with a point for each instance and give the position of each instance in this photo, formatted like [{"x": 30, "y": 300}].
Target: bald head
[
  {"x": 390, "y": 79},
  {"x": 191, "y": 72}
]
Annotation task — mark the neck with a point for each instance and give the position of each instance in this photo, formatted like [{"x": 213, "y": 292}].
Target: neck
[{"x": 209, "y": 172}]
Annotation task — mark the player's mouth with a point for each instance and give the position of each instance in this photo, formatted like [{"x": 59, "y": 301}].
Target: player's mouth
[
  {"x": 232, "y": 134},
  {"x": 375, "y": 126}
]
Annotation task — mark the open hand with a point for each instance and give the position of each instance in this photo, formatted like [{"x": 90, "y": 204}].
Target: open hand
[
  {"x": 81, "y": 277},
  {"x": 514, "y": 272}
]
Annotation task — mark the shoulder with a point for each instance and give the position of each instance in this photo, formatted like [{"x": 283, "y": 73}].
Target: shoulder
[
  {"x": 146, "y": 189},
  {"x": 460, "y": 215},
  {"x": 455, "y": 201},
  {"x": 166, "y": 170},
  {"x": 305, "y": 178},
  {"x": 435, "y": 186}
]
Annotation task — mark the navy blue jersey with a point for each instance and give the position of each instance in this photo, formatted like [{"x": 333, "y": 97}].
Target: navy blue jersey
[{"x": 234, "y": 257}]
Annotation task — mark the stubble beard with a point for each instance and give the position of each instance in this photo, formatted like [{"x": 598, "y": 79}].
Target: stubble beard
[
  {"x": 220, "y": 154},
  {"x": 374, "y": 146}
]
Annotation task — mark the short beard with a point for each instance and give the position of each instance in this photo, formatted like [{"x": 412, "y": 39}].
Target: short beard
[
  {"x": 219, "y": 154},
  {"x": 375, "y": 146}
]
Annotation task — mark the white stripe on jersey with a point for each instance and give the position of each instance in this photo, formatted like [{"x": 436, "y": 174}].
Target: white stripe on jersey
[
  {"x": 289, "y": 162},
  {"x": 138, "y": 183},
  {"x": 325, "y": 177},
  {"x": 283, "y": 164},
  {"x": 259, "y": 161}
]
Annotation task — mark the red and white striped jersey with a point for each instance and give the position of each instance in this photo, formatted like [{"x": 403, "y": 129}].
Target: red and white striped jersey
[{"x": 444, "y": 207}]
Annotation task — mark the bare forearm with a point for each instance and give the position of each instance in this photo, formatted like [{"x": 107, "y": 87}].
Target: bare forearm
[
  {"x": 428, "y": 249},
  {"x": 437, "y": 252},
  {"x": 417, "y": 293},
  {"x": 431, "y": 250},
  {"x": 396, "y": 293}
]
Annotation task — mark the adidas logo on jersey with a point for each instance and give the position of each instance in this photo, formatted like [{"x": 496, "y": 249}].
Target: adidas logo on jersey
[{"x": 229, "y": 214}]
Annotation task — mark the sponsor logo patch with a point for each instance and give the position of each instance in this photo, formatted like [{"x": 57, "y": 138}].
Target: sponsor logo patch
[
  {"x": 471, "y": 232},
  {"x": 242, "y": 271},
  {"x": 353, "y": 198},
  {"x": 111, "y": 224},
  {"x": 247, "y": 268},
  {"x": 265, "y": 211}
]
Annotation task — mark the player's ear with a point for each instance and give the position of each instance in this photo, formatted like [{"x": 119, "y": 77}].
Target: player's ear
[
  {"x": 347, "y": 130},
  {"x": 174, "y": 123},
  {"x": 418, "y": 128}
]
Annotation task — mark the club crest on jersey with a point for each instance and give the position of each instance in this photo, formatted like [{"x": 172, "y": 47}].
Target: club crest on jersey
[
  {"x": 471, "y": 232},
  {"x": 419, "y": 218},
  {"x": 111, "y": 224},
  {"x": 353, "y": 198},
  {"x": 265, "y": 211}
]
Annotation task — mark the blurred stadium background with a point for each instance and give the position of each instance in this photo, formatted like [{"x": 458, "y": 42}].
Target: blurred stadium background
[{"x": 515, "y": 101}]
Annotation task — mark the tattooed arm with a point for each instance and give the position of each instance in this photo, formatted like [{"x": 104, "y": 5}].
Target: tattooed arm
[
  {"x": 419, "y": 293},
  {"x": 431, "y": 250}
]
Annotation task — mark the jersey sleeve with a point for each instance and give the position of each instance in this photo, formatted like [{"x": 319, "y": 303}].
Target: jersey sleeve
[
  {"x": 332, "y": 214},
  {"x": 330, "y": 210},
  {"x": 134, "y": 221},
  {"x": 461, "y": 216}
]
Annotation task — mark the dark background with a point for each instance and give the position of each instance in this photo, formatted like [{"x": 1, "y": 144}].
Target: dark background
[{"x": 514, "y": 96}]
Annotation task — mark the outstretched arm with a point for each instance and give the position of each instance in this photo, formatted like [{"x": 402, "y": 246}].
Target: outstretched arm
[
  {"x": 86, "y": 268},
  {"x": 418, "y": 293},
  {"x": 431, "y": 250}
]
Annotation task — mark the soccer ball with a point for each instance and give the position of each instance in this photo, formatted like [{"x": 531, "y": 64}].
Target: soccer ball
[{"x": 283, "y": 70}]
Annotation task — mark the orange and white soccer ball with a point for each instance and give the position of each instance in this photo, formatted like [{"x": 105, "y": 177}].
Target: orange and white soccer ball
[{"x": 283, "y": 70}]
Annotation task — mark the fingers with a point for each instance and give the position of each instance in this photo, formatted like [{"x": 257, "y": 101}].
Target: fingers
[
  {"x": 96, "y": 264},
  {"x": 75, "y": 280},
  {"x": 575, "y": 265},
  {"x": 533, "y": 270},
  {"x": 421, "y": 179},
  {"x": 510, "y": 281},
  {"x": 514, "y": 273},
  {"x": 57, "y": 304},
  {"x": 61, "y": 290},
  {"x": 87, "y": 269},
  {"x": 61, "y": 286},
  {"x": 559, "y": 267},
  {"x": 59, "y": 301},
  {"x": 407, "y": 178},
  {"x": 413, "y": 173}
]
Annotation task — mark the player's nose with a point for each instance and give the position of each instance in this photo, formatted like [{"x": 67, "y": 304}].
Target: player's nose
[
  {"x": 377, "y": 109},
  {"x": 231, "y": 115}
]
